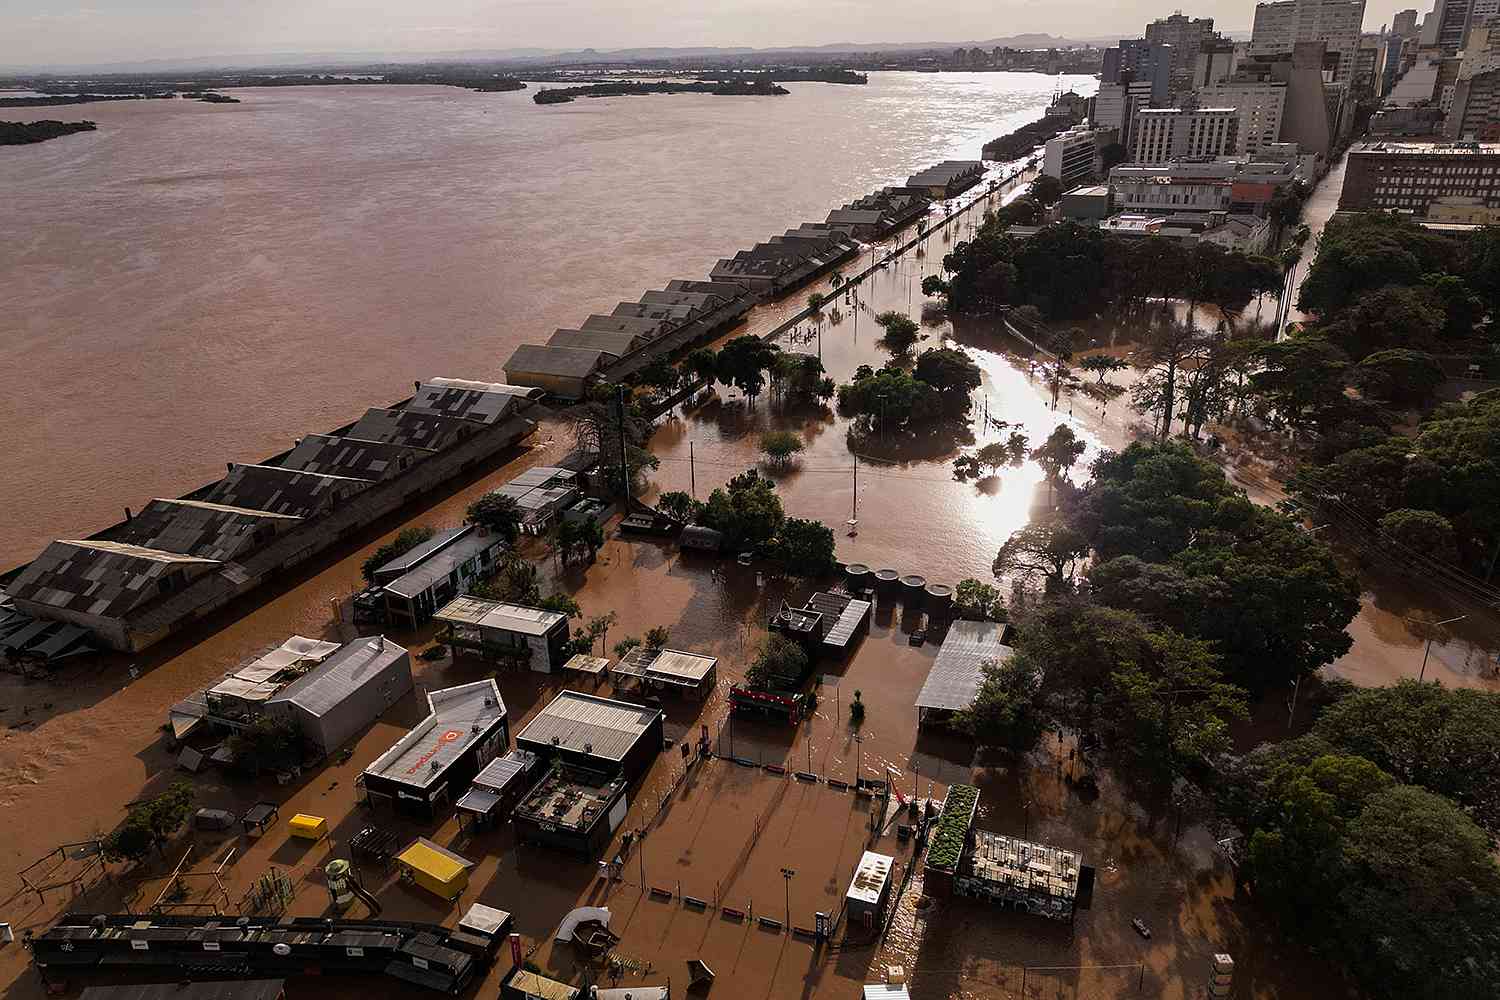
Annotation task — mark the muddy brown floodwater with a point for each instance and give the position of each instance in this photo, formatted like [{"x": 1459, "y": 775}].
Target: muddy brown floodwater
[{"x": 75, "y": 752}]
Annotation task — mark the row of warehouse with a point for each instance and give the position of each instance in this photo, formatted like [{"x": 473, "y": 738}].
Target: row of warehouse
[
  {"x": 687, "y": 313},
  {"x": 140, "y": 580}
]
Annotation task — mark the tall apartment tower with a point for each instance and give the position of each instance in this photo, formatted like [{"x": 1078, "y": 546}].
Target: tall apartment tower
[
  {"x": 1404, "y": 23},
  {"x": 1186, "y": 35},
  {"x": 1336, "y": 23}
]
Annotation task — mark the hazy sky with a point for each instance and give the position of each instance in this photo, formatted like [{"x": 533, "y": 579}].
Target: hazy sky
[{"x": 61, "y": 32}]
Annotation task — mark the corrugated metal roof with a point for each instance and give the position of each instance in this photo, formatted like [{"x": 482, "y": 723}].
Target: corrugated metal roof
[
  {"x": 406, "y": 560},
  {"x": 352, "y": 456},
  {"x": 565, "y": 362},
  {"x": 472, "y": 401},
  {"x": 886, "y": 991},
  {"x": 588, "y": 724},
  {"x": 671, "y": 665},
  {"x": 437, "y": 565},
  {"x": 958, "y": 671},
  {"x": 500, "y": 773},
  {"x": 283, "y": 491},
  {"x": 103, "y": 578},
  {"x": 345, "y": 671},
  {"x": 497, "y": 615}
]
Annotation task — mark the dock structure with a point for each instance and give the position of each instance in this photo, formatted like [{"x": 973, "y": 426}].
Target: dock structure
[
  {"x": 147, "y": 577},
  {"x": 216, "y": 947},
  {"x": 432, "y": 765}
]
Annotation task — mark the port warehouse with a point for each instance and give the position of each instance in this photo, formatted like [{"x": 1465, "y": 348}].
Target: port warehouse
[
  {"x": 432, "y": 765},
  {"x": 596, "y": 749},
  {"x": 426, "y": 955},
  {"x": 144, "y": 578},
  {"x": 687, "y": 312},
  {"x": 327, "y": 691}
]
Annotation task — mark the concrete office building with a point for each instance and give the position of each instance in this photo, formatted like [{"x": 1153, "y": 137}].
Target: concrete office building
[
  {"x": 1116, "y": 104},
  {"x": 1185, "y": 37},
  {"x": 1073, "y": 156},
  {"x": 1260, "y": 101},
  {"x": 1404, "y": 23},
  {"x": 1163, "y": 134},
  {"x": 1338, "y": 24},
  {"x": 1409, "y": 177}
]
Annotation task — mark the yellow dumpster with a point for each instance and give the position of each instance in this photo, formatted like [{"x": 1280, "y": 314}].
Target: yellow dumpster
[
  {"x": 434, "y": 868},
  {"x": 308, "y": 827}
]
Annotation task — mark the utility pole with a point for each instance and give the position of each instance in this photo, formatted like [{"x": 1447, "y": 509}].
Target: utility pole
[
  {"x": 1428, "y": 650},
  {"x": 624, "y": 462},
  {"x": 692, "y": 471}
]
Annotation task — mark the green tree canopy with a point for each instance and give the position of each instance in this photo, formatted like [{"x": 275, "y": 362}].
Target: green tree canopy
[
  {"x": 1408, "y": 378},
  {"x": 901, "y": 331},
  {"x": 953, "y": 374},
  {"x": 498, "y": 513},
  {"x": 780, "y": 447},
  {"x": 747, "y": 511},
  {"x": 804, "y": 547}
]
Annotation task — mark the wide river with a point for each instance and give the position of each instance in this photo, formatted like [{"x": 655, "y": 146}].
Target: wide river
[{"x": 194, "y": 283}]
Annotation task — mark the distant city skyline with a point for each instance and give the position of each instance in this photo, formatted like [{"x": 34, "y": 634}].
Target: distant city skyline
[{"x": 42, "y": 33}]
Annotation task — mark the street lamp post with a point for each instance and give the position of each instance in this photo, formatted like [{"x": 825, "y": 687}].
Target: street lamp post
[{"x": 786, "y": 881}]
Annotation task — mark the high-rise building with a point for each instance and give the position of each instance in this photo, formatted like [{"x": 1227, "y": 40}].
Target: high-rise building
[
  {"x": 1404, "y": 23},
  {"x": 1116, "y": 104},
  {"x": 1162, "y": 134},
  {"x": 1140, "y": 60},
  {"x": 1337, "y": 23},
  {"x": 1186, "y": 36},
  {"x": 1447, "y": 27},
  {"x": 1260, "y": 100},
  {"x": 1474, "y": 106},
  {"x": 1367, "y": 64}
]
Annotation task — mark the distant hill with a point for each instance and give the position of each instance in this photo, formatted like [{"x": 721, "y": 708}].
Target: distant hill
[{"x": 336, "y": 60}]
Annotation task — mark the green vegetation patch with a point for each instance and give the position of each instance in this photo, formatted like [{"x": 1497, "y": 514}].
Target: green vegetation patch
[{"x": 947, "y": 845}]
